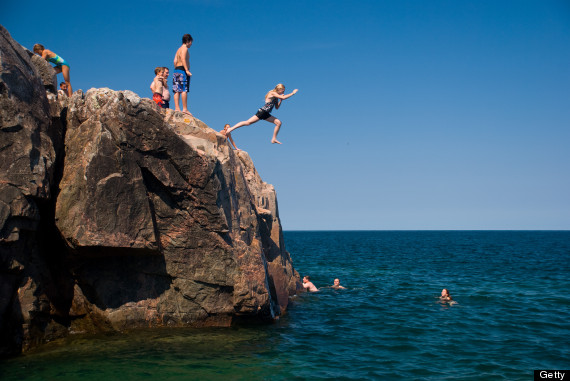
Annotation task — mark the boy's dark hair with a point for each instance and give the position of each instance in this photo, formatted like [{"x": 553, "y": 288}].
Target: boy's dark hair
[
  {"x": 62, "y": 83},
  {"x": 187, "y": 38},
  {"x": 40, "y": 48}
]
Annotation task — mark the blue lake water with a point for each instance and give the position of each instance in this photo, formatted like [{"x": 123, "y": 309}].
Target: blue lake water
[{"x": 512, "y": 316}]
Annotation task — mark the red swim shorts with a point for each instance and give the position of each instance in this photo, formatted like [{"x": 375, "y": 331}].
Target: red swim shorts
[{"x": 157, "y": 97}]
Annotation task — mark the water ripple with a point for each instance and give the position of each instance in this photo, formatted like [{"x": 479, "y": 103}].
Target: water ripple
[{"x": 512, "y": 317}]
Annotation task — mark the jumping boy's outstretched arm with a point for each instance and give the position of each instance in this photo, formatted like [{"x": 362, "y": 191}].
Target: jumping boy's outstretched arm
[{"x": 275, "y": 94}]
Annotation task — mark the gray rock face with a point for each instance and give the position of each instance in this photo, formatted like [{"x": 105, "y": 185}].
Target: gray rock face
[
  {"x": 45, "y": 71},
  {"x": 145, "y": 220},
  {"x": 28, "y": 142}
]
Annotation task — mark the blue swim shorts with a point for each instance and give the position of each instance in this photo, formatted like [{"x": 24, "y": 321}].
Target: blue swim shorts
[{"x": 180, "y": 81}]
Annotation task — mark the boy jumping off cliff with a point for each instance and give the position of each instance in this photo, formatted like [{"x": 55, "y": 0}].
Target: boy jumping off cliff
[
  {"x": 61, "y": 65},
  {"x": 181, "y": 75},
  {"x": 272, "y": 99}
]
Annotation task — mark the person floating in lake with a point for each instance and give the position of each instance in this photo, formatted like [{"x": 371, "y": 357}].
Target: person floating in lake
[
  {"x": 61, "y": 65},
  {"x": 336, "y": 285},
  {"x": 228, "y": 136},
  {"x": 308, "y": 285},
  {"x": 272, "y": 99},
  {"x": 446, "y": 296},
  {"x": 181, "y": 75}
]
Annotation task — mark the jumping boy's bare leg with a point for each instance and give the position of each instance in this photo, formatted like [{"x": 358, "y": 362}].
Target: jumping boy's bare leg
[
  {"x": 251, "y": 120},
  {"x": 277, "y": 123}
]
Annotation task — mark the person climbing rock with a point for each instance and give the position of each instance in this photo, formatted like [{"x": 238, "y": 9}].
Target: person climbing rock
[{"x": 61, "y": 65}]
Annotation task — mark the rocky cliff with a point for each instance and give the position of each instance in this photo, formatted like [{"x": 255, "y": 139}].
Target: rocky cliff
[{"x": 115, "y": 215}]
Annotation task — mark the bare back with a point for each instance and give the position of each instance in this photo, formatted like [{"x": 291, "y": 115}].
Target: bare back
[
  {"x": 182, "y": 57},
  {"x": 158, "y": 85}
]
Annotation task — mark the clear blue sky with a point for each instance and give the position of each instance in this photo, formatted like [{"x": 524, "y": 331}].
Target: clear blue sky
[{"x": 411, "y": 114}]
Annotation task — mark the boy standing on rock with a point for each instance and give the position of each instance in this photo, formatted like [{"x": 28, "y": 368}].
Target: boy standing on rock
[{"x": 181, "y": 75}]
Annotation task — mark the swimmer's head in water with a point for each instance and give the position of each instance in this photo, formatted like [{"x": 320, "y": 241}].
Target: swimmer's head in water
[
  {"x": 336, "y": 282},
  {"x": 444, "y": 293},
  {"x": 306, "y": 278}
]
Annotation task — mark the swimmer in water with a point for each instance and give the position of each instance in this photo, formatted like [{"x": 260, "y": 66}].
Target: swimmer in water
[
  {"x": 446, "y": 296},
  {"x": 336, "y": 285},
  {"x": 308, "y": 285}
]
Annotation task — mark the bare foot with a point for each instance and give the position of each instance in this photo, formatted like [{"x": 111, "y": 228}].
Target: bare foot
[
  {"x": 275, "y": 141},
  {"x": 187, "y": 112}
]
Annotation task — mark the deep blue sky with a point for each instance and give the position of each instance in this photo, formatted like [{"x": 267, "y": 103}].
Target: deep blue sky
[{"x": 411, "y": 114}]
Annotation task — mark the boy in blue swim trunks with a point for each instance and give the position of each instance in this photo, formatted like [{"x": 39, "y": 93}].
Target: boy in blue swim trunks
[
  {"x": 61, "y": 65},
  {"x": 181, "y": 74}
]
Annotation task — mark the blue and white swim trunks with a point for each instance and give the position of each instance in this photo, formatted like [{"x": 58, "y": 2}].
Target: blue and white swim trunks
[{"x": 180, "y": 81}]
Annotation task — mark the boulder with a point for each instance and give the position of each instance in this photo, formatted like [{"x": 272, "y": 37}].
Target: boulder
[
  {"x": 28, "y": 148},
  {"x": 117, "y": 215},
  {"x": 46, "y": 72},
  {"x": 165, "y": 196}
]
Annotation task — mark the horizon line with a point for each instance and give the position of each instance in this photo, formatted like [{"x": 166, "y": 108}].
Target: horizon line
[{"x": 426, "y": 230}]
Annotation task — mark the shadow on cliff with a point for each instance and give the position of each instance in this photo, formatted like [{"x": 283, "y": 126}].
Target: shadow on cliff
[
  {"x": 11, "y": 320},
  {"x": 34, "y": 266},
  {"x": 113, "y": 277},
  {"x": 108, "y": 277},
  {"x": 226, "y": 202}
]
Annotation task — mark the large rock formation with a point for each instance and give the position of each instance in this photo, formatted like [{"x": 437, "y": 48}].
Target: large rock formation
[
  {"x": 27, "y": 169},
  {"x": 145, "y": 219}
]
